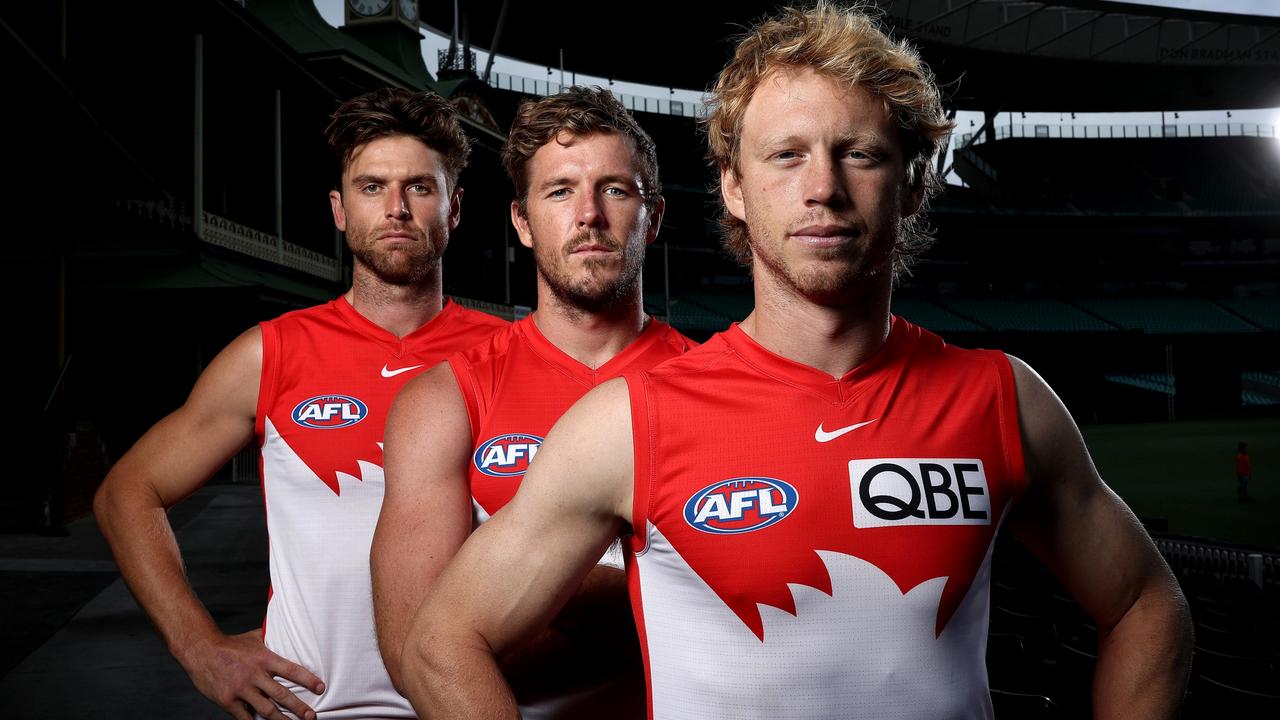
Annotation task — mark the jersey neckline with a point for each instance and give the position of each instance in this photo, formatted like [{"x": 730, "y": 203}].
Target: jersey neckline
[
  {"x": 552, "y": 354},
  {"x": 811, "y": 379},
  {"x": 372, "y": 330}
]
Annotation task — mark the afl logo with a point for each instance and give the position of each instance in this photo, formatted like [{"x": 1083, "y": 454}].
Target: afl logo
[
  {"x": 740, "y": 505},
  {"x": 326, "y": 412},
  {"x": 507, "y": 455}
]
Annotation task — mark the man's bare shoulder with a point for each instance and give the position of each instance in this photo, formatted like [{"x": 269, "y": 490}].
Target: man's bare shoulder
[
  {"x": 1040, "y": 412},
  {"x": 587, "y": 456},
  {"x": 434, "y": 385},
  {"x": 231, "y": 380}
]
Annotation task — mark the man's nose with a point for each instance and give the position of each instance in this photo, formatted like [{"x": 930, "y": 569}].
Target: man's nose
[
  {"x": 588, "y": 213},
  {"x": 824, "y": 183},
  {"x": 397, "y": 206}
]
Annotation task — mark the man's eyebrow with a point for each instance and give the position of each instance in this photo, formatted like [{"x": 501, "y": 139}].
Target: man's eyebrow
[
  {"x": 845, "y": 139},
  {"x": 553, "y": 182},
  {"x": 367, "y": 178},
  {"x": 619, "y": 179}
]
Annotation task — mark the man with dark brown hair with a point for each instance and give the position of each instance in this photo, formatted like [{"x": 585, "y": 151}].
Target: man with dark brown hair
[
  {"x": 312, "y": 387},
  {"x": 587, "y": 203},
  {"x": 809, "y": 499}
]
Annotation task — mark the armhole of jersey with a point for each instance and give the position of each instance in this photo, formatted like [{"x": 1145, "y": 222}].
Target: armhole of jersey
[
  {"x": 642, "y": 450},
  {"x": 1010, "y": 428},
  {"x": 469, "y": 387},
  {"x": 267, "y": 377}
]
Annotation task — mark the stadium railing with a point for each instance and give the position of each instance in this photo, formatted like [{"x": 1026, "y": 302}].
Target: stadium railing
[{"x": 1120, "y": 131}]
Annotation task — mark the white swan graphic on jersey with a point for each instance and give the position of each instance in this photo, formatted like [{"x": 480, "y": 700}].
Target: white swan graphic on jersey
[
  {"x": 320, "y": 575},
  {"x": 865, "y": 651}
]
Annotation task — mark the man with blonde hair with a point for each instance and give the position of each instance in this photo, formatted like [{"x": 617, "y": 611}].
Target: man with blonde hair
[{"x": 810, "y": 498}]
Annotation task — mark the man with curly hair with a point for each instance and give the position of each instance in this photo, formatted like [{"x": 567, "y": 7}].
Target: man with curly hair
[{"x": 810, "y": 498}]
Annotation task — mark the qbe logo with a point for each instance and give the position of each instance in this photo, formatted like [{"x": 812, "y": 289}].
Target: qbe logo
[
  {"x": 740, "y": 505},
  {"x": 888, "y": 492},
  {"x": 328, "y": 412},
  {"x": 507, "y": 455}
]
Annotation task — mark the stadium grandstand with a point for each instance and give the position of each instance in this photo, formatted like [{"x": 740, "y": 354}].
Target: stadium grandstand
[{"x": 1112, "y": 216}]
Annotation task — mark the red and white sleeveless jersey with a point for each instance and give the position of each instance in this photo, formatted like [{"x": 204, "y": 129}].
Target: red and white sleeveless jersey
[
  {"x": 328, "y": 378},
  {"x": 813, "y": 547},
  {"x": 518, "y": 384}
]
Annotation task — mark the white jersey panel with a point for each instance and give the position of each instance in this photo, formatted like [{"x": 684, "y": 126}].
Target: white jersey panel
[
  {"x": 861, "y": 652},
  {"x": 320, "y": 581}
]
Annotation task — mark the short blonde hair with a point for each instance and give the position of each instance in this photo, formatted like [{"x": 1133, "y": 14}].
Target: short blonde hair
[{"x": 848, "y": 45}]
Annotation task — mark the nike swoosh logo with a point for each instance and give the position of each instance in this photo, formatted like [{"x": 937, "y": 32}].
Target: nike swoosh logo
[
  {"x": 397, "y": 371},
  {"x": 823, "y": 436}
]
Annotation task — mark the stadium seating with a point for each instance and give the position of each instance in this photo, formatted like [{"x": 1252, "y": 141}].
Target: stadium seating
[
  {"x": 1165, "y": 315},
  {"x": 1042, "y": 644},
  {"x": 931, "y": 316},
  {"x": 1143, "y": 177},
  {"x": 1027, "y": 315},
  {"x": 1263, "y": 312}
]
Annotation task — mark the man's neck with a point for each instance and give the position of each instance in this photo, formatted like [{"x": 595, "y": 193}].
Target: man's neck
[
  {"x": 591, "y": 338},
  {"x": 398, "y": 309},
  {"x": 832, "y": 338}
]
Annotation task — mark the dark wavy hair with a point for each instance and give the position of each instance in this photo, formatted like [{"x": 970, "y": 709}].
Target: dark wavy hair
[
  {"x": 396, "y": 111},
  {"x": 577, "y": 111}
]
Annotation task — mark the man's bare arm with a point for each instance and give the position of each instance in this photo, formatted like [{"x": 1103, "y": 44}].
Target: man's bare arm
[
  {"x": 426, "y": 512},
  {"x": 518, "y": 569},
  {"x": 173, "y": 459},
  {"x": 1104, "y": 558}
]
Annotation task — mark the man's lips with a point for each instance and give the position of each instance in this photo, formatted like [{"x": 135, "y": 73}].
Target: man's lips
[
  {"x": 592, "y": 248},
  {"x": 398, "y": 237},
  {"x": 824, "y": 235}
]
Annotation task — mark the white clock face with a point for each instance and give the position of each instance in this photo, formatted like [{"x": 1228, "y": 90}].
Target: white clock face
[
  {"x": 409, "y": 10},
  {"x": 369, "y": 7}
]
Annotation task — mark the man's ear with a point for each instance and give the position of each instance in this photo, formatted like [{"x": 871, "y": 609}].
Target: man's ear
[
  {"x": 455, "y": 208},
  {"x": 521, "y": 224},
  {"x": 655, "y": 220},
  {"x": 731, "y": 192},
  {"x": 339, "y": 212},
  {"x": 913, "y": 195}
]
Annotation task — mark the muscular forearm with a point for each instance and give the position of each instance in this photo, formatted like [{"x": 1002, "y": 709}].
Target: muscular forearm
[
  {"x": 137, "y": 528},
  {"x": 454, "y": 676},
  {"x": 393, "y": 611},
  {"x": 1144, "y": 660}
]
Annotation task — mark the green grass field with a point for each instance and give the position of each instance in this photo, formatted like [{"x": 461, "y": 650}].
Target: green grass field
[{"x": 1185, "y": 472}]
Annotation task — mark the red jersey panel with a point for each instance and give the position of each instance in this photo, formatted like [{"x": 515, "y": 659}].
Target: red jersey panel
[
  {"x": 328, "y": 378},
  {"x": 518, "y": 384},
  {"x": 814, "y": 547}
]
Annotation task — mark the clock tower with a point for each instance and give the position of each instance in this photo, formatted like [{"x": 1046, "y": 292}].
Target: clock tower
[
  {"x": 389, "y": 27},
  {"x": 361, "y": 12}
]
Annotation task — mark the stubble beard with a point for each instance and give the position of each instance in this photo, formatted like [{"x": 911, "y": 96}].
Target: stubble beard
[
  {"x": 593, "y": 292},
  {"x": 406, "y": 264},
  {"x": 834, "y": 274}
]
